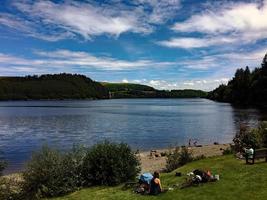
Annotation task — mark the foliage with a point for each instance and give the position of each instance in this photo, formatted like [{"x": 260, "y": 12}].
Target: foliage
[
  {"x": 172, "y": 162},
  {"x": 246, "y": 88},
  {"x": 115, "y": 87},
  {"x": 130, "y": 90},
  {"x": 200, "y": 157},
  {"x": 262, "y": 131},
  {"x": 11, "y": 187},
  {"x": 56, "y": 86},
  {"x": 255, "y": 138},
  {"x": 187, "y": 93},
  {"x": 73, "y": 162},
  {"x": 2, "y": 166},
  {"x": 237, "y": 182},
  {"x": 51, "y": 173},
  {"x": 177, "y": 158},
  {"x": 74, "y": 86},
  {"x": 227, "y": 151},
  {"x": 110, "y": 164}
]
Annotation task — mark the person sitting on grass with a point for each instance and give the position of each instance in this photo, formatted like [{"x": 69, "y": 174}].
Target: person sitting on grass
[{"x": 155, "y": 185}]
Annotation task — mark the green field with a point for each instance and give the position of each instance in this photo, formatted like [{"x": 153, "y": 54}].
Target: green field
[{"x": 237, "y": 181}]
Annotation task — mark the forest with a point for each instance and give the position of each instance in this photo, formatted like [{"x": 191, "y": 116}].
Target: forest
[
  {"x": 246, "y": 88},
  {"x": 75, "y": 86},
  {"x": 51, "y": 86}
]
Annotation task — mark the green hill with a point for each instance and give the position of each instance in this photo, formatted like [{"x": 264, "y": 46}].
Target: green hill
[
  {"x": 131, "y": 90},
  {"x": 57, "y": 86},
  {"x": 237, "y": 182},
  {"x": 115, "y": 87},
  {"x": 74, "y": 86}
]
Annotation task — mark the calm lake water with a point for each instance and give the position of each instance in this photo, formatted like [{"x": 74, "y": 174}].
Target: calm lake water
[{"x": 142, "y": 123}]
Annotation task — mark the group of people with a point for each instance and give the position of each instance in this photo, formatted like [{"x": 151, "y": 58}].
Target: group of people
[{"x": 150, "y": 184}]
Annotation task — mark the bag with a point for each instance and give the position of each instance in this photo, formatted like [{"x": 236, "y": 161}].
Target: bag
[{"x": 146, "y": 178}]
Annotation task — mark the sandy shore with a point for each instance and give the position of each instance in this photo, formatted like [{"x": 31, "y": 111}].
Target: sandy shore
[{"x": 151, "y": 163}]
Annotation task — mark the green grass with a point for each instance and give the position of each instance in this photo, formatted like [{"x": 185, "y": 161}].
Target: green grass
[{"x": 237, "y": 181}]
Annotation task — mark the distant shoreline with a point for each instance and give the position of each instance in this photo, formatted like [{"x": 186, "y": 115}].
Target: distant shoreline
[{"x": 92, "y": 99}]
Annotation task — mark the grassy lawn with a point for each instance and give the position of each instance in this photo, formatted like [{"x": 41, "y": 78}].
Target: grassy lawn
[{"x": 237, "y": 181}]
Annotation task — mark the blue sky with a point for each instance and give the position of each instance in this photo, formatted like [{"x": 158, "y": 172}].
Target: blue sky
[{"x": 168, "y": 44}]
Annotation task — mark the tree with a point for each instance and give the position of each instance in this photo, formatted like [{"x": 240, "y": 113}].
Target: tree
[{"x": 246, "y": 87}]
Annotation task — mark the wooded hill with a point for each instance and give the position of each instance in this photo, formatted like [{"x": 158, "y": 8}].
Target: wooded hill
[
  {"x": 74, "y": 86},
  {"x": 57, "y": 86},
  {"x": 247, "y": 88},
  {"x": 130, "y": 90}
]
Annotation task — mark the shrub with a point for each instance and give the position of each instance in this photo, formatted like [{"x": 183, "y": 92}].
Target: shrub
[
  {"x": 73, "y": 162},
  {"x": 110, "y": 164},
  {"x": 172, "y": 162},
  {"x": 11, "y": 187},
  {"x": 200, "y": 157},
  {"x": 163, "y": 154},
  {"x": 185, "y": 156},
  {"x": 2, "y": 166},
  {"x": 50, "y": 173},
  {"x": 262, "y": 129},
  {"x": 247, "y": 137},
  {"x": 178, "y": 158},
  {"x": 227, "y": 151}
]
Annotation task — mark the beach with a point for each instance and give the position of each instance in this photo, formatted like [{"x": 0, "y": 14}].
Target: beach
[{"x": 152, "y": 160}]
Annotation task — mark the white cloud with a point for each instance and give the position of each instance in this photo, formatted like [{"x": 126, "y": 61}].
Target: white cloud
[
  {"x": 31, "y": 29},
  {"x": 189, "y": 83},
  {"x": 52, "y": 21},
  {"x": 198, "y": 84},
  {"x": 190, "y": 42},
  {"x": 238, "y": 17},
  {"x": 69, "y": 61},
  {"x": 226, "y": 24},
  {"x": 80, "y": 18},
  {"x": 125, "y": 81},
  {"x": 216, "y": 69},
  {"x": 161, "y": 10}
]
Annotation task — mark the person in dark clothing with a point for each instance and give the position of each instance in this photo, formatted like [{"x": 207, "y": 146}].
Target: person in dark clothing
[{"x": 155, "y": 185}]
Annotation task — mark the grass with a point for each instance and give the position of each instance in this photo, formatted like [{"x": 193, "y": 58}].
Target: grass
[{"x": 237, "y": 181}]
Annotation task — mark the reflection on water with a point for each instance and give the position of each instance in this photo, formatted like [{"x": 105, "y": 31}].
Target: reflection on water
[{"x": 142, "y": 123}]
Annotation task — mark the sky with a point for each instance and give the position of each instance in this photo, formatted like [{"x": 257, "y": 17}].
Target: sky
[{"x": 167, "y": 44}]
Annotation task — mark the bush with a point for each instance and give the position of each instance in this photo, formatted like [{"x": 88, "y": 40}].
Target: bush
[
  {"x": 200, "y": 157},
  {"x": 110, "y": 164},
  {"x": 73, "y": 162},
  {"x": 262, "y": 129},
  {"x": 227, "y": 151},
  {"x": 185, "y": 156},
  {"x": 255, "y": 138},
  {"x": 50, "y": 173},
  {"x": 2, "y": 167},
  {"x": 178, "y": 158},
  {"x": 11, "y": 187},
  {"x": 247, "y": 137}
]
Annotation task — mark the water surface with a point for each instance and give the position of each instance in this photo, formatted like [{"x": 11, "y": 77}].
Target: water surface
[{"x": 142, "y": 123}]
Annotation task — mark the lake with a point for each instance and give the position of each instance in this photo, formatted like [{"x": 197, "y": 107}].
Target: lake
[{"x": 142, "y": 123}]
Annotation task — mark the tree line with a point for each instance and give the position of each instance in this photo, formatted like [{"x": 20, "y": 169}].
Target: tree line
[
  {"x": 51, "y": 86},
  {"x": 246, "y": 88},
  {"x": 130, "y": 90},
  {"x": 75, "y": 86}
]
